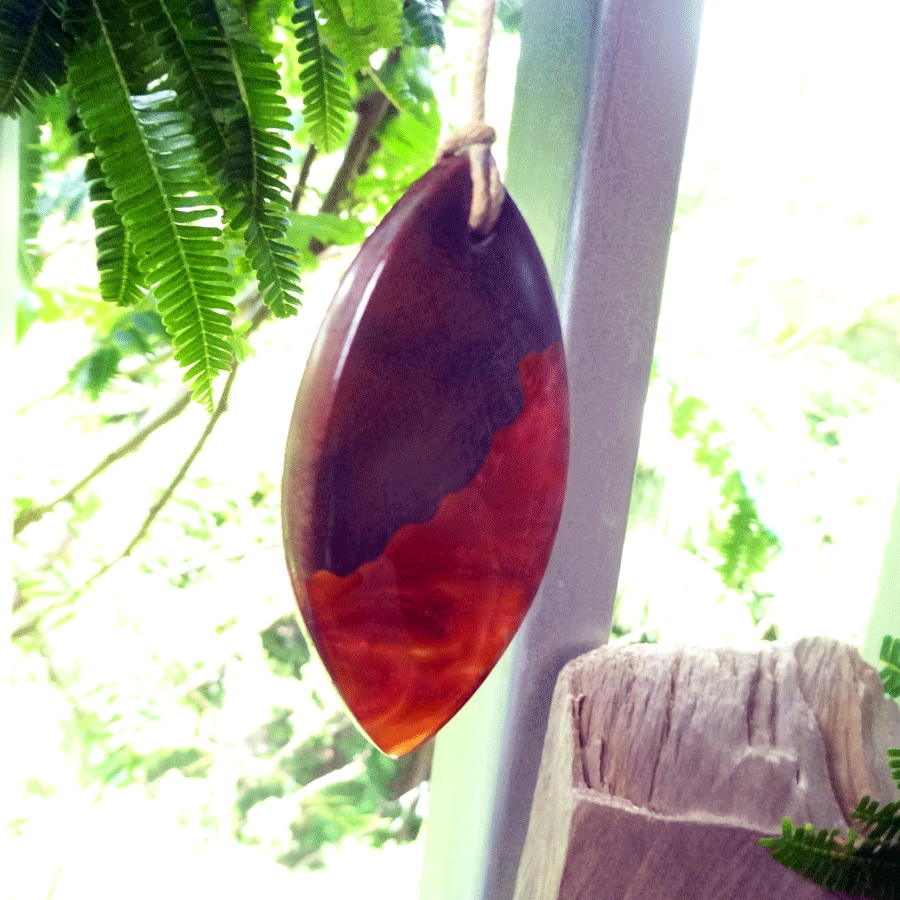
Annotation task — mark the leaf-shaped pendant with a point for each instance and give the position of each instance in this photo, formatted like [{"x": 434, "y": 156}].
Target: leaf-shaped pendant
[{"x": 426, "y": 460}]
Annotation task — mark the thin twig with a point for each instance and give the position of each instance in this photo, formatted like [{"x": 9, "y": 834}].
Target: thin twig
[
  {"x": 155, "y": 510},
  {"x": 303, "y": 178},
  {"x": 178, "y": 406},
  {"x": 394, "y": 101},
  {"x": 370, "y": 112},
  {"x": 353, "y": 769},
  {"x": 258, "y": 312},
  {"x": 260, "y": 315}
]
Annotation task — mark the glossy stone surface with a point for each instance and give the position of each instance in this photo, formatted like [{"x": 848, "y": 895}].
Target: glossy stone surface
[{"x": 426, "y": 460}]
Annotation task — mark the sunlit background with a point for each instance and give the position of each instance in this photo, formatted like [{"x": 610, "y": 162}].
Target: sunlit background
[{"x": 165, "y": 746}]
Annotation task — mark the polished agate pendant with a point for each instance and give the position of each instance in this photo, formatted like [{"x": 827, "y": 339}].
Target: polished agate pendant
[{"x": 426, "y": 460}]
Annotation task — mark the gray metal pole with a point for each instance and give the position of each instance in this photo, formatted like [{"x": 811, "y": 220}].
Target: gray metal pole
[{"x": 595, "y": 150}]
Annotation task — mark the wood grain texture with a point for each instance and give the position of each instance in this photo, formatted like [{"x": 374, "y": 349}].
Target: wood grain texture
[{"x": 664, "y": 766}]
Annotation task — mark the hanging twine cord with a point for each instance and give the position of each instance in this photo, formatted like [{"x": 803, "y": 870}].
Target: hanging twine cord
[{"x": 477, "y": 136}]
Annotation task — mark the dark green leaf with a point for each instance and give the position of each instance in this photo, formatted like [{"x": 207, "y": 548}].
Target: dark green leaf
[
  {"x": 93, "y": 373},
  {"x": 425, "y": 19},
  {"x": 33, "y": 47},
  {"x": 357, "y": 28}
]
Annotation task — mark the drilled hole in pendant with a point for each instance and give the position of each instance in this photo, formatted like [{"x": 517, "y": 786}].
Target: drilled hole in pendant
[{"x": 479, "y": 243}]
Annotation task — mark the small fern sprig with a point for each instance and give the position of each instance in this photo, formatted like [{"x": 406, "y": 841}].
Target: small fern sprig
[
  {"x": 867, "y": 862},
  {"x": 323, "y": 82},
  {"x": 834, "y": 864},
  {"x": 890, "y": 674}
]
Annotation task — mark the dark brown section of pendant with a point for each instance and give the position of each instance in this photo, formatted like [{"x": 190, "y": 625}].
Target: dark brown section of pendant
[{"x": 432, "y": 368}]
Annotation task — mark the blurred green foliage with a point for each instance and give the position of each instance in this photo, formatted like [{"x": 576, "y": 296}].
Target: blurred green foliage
[{"x": 178, "y": 680}]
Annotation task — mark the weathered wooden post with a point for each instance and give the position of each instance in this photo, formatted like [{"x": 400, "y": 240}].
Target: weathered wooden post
[
  {"x": 663, "y": 766},
  {"x": 595, "y": 150}
]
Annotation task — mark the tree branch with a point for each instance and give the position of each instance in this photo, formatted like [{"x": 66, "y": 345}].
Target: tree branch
[
  {"x": 181, "y": 402},
  {"x": 178, "y": 406},
  {"x": 302, "y": 180},
  {"x": 155, "y": 510},
  {"x": 370, "y": 110}
]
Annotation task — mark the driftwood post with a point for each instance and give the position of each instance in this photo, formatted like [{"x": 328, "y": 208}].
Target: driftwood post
[{"x": 663, "y": 767}]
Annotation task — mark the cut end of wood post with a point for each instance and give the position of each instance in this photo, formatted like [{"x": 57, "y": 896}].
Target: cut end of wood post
[{"x": 663, "y": 767}]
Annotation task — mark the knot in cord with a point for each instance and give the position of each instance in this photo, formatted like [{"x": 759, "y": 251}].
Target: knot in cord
[{"x": 477, "y": 136}]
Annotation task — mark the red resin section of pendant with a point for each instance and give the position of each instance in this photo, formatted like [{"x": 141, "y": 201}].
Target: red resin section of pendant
[
  {"x": 409, "y": 637},
  {"x": 426, "y": 460}
]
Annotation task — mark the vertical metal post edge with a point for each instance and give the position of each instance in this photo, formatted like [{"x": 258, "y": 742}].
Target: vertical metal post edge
[{"x": 597, "y": 136}]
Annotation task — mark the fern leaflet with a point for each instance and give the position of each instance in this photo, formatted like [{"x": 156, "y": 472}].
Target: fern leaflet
[
  {"x": 255, "y": 196},
  {"x": 890, "y": 674},
  {"x": 33, "y": 47},
  {"x": 151, "y": 165},
  {"x": 894, "y": 762},
  {"x": 326, "y": 96},
  {"x": 880, "y": 824},
  {"x": 121, "y": 281}
]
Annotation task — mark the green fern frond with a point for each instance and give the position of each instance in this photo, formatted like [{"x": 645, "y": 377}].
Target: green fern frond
[
  {"x": 357, "y": 28},
  {"x": 150, "y": 163},
  {"x": 849, "y": 867},
  {"x": 33, "y": 47},
  {"x": 256, "y": 193},
  {"x": 198, "y": 68},
  {"x": 890, "y": 674},
  {"x": 257, "y": 152},
  {"x": 425, "y": 19},
  {"x": 326, "y": 96}
]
